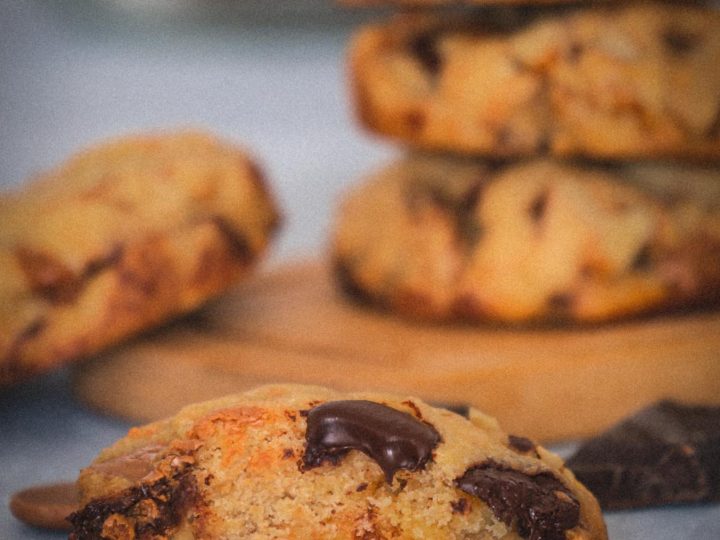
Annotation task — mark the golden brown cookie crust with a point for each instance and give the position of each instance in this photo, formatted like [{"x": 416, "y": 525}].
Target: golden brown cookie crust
[
  {"x": 536, "y": 241},
  {"x": 234, "y": 468},
  {"x": 120, "y": 238},
  {"x": 611, "y": 82}
]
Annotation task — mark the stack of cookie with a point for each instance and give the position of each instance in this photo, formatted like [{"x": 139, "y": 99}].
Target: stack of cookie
[{"x": 562, "y": 163}]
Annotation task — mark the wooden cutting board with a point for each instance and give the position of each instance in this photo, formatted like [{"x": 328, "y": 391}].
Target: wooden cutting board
[{"x": 291, "y": 325}]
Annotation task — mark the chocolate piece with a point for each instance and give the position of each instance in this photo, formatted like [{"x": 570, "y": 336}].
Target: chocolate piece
[
  {"x": 240, "y": 246},
  {"x": 46, "y": 506},
  {"x": 48, "y": 276},
  {"x": 522, "y": 445},
  {"x": 462, "y": 410},
  {"x": 147, "y": 510},
  {"x": 394, "y": 439},
  {"x": 679, "y": 41},
  {"x": 424, "y": 48},
  {"x": 539, "y": 506},
  {"x": 133, "y": 466},
  {"x": 538, "y": 207},
  {"x": 666, "y": 453},
  {"x": 53, "y": 280},
  {"x": 643, "y": 258},
  {"x": 348, "y": 284},
  {"x": 459, "y": 204}
]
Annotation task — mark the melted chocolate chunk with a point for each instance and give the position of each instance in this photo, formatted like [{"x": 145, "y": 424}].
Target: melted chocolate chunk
[
  {"x": 666, "y": 453},
  {"x": 394, "y": 439},
  {"x": 150, "y": 510},
  {"x": 539, "y": 506}
]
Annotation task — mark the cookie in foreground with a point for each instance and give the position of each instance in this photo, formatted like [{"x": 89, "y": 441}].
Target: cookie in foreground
[
  {"x": 121, "y": 237},
  {"x": 614, "y": 81},
  {"x": 300, "y": 462},
  {"x": 538, "y": 241}
]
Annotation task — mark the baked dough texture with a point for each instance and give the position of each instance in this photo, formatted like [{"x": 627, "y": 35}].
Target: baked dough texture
[
  {"x": 121, "y": 237},
  {"x": 270, "y": 464},
  {"x": 626, "y": 81},
  {"x": 536, "y": 241}
]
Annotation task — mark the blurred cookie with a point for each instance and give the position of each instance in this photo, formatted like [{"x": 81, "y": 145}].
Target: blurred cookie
[
  {"x": 120, "y": 238},
  {"x": 615, "y": 82},
  {"x": 308, "y": 462},
  {"x": 443, "y": 239}
]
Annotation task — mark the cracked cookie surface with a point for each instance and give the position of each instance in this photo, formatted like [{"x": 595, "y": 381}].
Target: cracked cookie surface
[
  {"x": 297, "y": 462},
  {"x": 539, "y": 241},
  {"x": 121, "y": 237},
  {"x": 608, "y": 82}
]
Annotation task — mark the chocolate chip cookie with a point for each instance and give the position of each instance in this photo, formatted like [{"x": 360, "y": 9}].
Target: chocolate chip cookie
[
  {"x": 120, "y": 238},
  {"x": 308, "y": 462},
  {"x": 445, "y": 238},
  {"x": 632, "y": 81}
]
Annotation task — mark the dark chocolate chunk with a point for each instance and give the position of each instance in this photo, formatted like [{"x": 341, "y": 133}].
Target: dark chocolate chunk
[
  {"x": 666, "y": 453},
  {"x": 52, "y": 279},
  {"x": 643, "y": 258},
  {"x": 538, "y": 506},
  {"x": 239, "y": 246},
  {"x": 679, "y": 41},
  {"x": 394, "y": 439},
  {"x": 459, "y": 204},
  {"x": 521, "y": 444},
  {"x": 575, "y": 52},
  {"x": 48, "y": 276},
  {"x": 150, "y": 510},
  {"x": 348, "y": 284},
  {"x": 462, "y": 410},
  {"x": 538, "y": 207},
  {"x": 460, "y": 506},
  {"x": 424, "y": 48}
]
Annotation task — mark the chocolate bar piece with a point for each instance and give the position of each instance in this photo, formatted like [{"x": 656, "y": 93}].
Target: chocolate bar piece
[{"x": 667, "y": 453}]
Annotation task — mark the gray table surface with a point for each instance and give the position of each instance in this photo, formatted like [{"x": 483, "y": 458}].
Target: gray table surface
[{"x": 270, "y": 77}]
